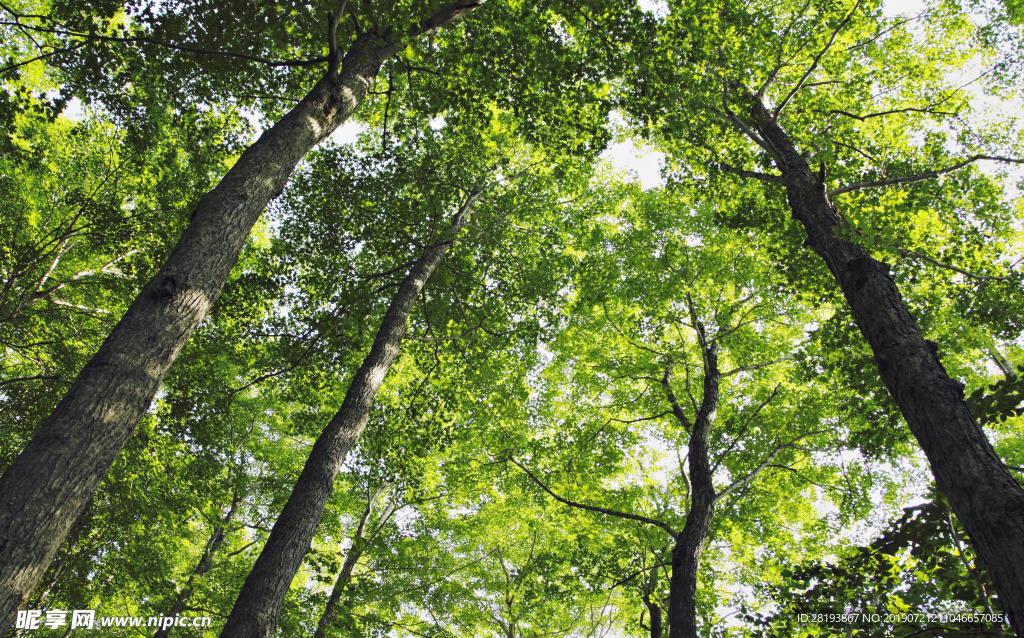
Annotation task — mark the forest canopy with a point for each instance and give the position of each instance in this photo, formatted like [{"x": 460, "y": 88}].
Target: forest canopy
[{"x": 349, "y": 318}]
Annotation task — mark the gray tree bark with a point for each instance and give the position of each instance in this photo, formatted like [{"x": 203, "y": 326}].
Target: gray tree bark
[
  {"x": 982, "y": 492},
  {"x": 45, "y": 489},
  {"x": 690, "y": 543},
  {"x": 255, "y": 611}
]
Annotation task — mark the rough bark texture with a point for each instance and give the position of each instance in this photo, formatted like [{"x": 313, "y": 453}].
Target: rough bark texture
[
  {"x": 255, "y": 611},
  {"x": 45, "y": 489},
  {"x": 690, "y": 543},
  {"x": 981, "y": 491}
]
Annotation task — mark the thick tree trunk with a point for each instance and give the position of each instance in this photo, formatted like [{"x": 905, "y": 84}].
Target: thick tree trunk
[
  {"x": 983, "y": 494},
  {"x": 255, "y": 611},
  {"x": 690, "y": 543},
  {"x": 45, "y": 489}
]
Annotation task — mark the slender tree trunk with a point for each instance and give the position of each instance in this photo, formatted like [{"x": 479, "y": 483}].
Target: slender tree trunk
[
  {"x": 653, "y": 608},
  {"x": 690, "y": 543},
  {"x": 985, "y": 497},
  {"x": 45, "y": 489},
  {"x": 354, "y": 554},
  {"x": 255, "y": 611},
  {"x": 214, "y": 543},
  {"x": 656, "y": 623}
]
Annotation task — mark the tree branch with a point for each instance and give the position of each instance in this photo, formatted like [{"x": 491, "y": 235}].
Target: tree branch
[
  {"x": 334, "y": 54},
  {"x": 676, "y": 410},
  {"x": 38, "y": 377},
  {"x": 170, "y": 45},
  {"x": 25, "y": 15},
  {"x": 814, "y": 64},
  {"x": 756, "y": 366},
  {"x": 623, "y": 335},
  {"x": 764, "y": 177},
  {"x": 903, "y": 252},
  {"x": 789, "y": 469},
  {"x": 592, "y": 508},
  {"x": 41, "y": 57},
  {"x": 626, "y": 579},
  {"x": 921, "y": 176},
  {"x": 863, "y": 118},
  {"x": 779, "y": 64},
  {"x": 743, "y": 430},
  {"x": 445, "y": 15},
  {"x": 730, "y": 118},
  {"x": 643, "y": 418},
  {"x": 752, "y": 474},
  {"x": 881, "y": 33}
]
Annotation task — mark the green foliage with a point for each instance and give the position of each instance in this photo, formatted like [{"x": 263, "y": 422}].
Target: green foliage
[
  {"x": 999, "y": 401},
  {"x": 90, "y": 214},
  {"x": 546, "y": 335},
  {"x": 913, "y": 580}
]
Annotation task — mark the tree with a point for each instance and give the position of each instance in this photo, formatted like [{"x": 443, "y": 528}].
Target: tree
[
  {"x": 255, "y": 612},
  {"x": 768, "y": 103},
  {"x": 359, "y": 540},
  {"x": 658, "y": 311},
  {"x": 87, "y": 429}
]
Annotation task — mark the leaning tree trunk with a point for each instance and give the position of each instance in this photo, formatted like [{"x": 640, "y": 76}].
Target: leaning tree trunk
[
  {"x": 255, "y": 611},
  {"x": 983, "y": 494},
  {"x": 45, "y": 489},
  {"x": 690, "y": 543}
]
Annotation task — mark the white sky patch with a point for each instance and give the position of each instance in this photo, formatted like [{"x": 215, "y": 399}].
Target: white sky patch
[
  {"x": 659, "y": 8},
  {"x": 74, "y": 110},
  {"x": 643, "y": 164},
  {"x": 347, "y": 133},
  {"x": 891, "y": 8}
]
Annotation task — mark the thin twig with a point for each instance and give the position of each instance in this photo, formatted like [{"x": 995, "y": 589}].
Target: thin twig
[
  {"x": 756, "y": 366},
  {"x": 814, "y": 63},
  {"x": 172, "y": 46}
]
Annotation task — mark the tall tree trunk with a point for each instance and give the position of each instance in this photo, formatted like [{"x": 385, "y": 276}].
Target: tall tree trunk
[
  {"x": 354, "y": 553},
  {"x": 690, "y": 543},
  {"x": 255, "y": 611},
  {"x": 985, "y": 497},
  {"x": 214, "y": 543},
  {"x": 43, "y": 492}
]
